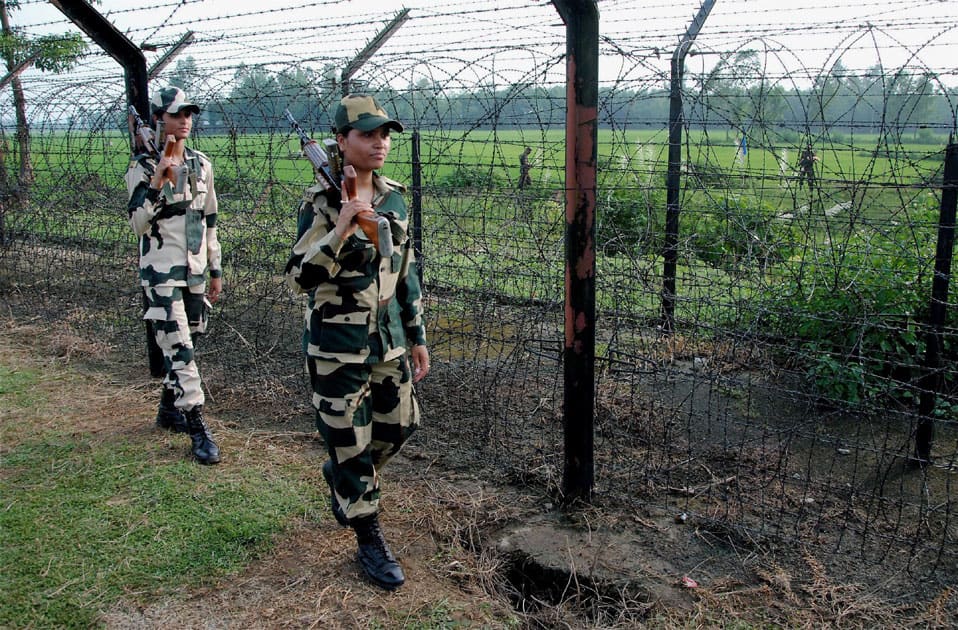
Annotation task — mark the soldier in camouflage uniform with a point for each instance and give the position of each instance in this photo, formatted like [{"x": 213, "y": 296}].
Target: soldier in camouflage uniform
[
  {"x": 364, "y": 312},
  {"x": 806, "y": 167},
  {"x": 525, "y": 179},
  {"x": 173, "y": 211}
]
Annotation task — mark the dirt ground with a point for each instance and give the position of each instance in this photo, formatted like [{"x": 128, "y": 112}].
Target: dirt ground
[{"x": 488, "y": 554}]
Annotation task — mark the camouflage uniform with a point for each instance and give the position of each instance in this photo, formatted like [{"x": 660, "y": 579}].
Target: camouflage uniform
[
  {"x": 362, "y": 313},
  {"x": 806, "y": 165},
  {"x": 178, "y": 246},
  {"x": 525, "y": 179}
]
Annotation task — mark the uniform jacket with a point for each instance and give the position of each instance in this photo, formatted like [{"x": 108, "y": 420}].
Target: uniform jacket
[
  {"x": 354, "y": 291},
  {"x": 176, "y": 231}
]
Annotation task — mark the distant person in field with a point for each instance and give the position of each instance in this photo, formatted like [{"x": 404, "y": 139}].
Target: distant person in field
[
  {"x": 525, "y": 179},
  {"x": 365, "y": 338},
  {"x": 806, "y": 167},
  {"x": 172, "y": 208}
]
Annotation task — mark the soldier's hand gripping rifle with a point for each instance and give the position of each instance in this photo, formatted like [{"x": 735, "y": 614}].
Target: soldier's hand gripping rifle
[
  {"x": 327, "y": 169},
  {"x": 147, "y": 141}
]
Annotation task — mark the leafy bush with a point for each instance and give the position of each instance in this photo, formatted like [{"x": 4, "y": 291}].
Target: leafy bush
[
  {"x": 737, "y": 234},
  {"x": 627, "y": 221},
  {"x": 855, "y": 320},
  {"x": 465, "y": 177}
]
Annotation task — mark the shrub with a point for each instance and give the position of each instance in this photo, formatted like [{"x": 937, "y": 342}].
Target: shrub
[
  {"x": 626, "y": 221},
  {"x": 739, "y": 233},
  {"x": 856, "y": 320},
  {"x": 464, "y": 177}
]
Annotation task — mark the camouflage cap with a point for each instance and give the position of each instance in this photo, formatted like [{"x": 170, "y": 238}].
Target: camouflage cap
[
  {"x": 171, "y": 100},
  {"x": 361, "y": 111}
]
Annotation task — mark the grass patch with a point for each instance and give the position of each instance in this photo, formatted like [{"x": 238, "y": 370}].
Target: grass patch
[
  {"x": 89, "y": 519},
  {"x": 16, "y": 387},
  {"x": 84, "y": 524}
]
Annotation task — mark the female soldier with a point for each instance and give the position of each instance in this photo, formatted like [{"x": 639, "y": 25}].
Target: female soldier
[
  {"x": 364, "y": 312},
  {"x": 173, "y": 209}
]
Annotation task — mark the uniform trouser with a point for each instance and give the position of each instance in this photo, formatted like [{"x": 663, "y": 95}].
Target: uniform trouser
[
  {"x": 177, "y": 317},
  {"x": 365, "y": 413}
]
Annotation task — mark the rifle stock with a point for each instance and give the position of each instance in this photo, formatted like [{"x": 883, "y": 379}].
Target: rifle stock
[
  {"x": 146, "y": 139},
  {"x": 177, "y": 175},
  {"x": 374, "y": 226}
]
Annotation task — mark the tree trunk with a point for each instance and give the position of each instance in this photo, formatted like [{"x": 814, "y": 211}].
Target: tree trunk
[
  {"x": 5, "y": 195},
  {"x": 19, "y": 102}
]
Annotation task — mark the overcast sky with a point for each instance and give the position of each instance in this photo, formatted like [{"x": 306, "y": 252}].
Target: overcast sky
[{"x": 794, "y": 39}]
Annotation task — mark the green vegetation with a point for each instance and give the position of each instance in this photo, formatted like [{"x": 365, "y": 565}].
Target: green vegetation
[
  {"x": 856, "y": 317},
  {"x": 847, "y": 262},
  {"x": 15, "y": 387},
  {"x": 85, "y": 523}
]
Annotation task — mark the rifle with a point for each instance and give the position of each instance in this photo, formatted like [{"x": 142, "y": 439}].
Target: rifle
[
  {"x": 179, "y": 174},
  {"x": 147, "y": 140},
  {"x": 144, "y": 136},
  {"x": 327, "y": 170}
]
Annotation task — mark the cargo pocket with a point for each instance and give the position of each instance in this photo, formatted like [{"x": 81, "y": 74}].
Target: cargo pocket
[
  {"x": 338, "y": 333},
  {"x": 197, "y": 312}
]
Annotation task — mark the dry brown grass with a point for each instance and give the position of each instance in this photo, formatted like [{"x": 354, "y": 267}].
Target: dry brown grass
[{"x": 444, "y": 526}]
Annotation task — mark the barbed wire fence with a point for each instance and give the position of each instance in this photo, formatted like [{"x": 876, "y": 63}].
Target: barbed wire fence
[{"x": 783, "y": 400}]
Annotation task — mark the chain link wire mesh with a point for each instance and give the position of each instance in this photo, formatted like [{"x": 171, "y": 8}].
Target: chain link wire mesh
[{"x": 782, "y": 407}]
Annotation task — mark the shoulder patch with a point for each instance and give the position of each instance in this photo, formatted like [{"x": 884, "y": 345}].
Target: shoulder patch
[
  {"x": 319, "y": 196},
  {"x": 199, "y": 153},
  {"x": 393, "y": 184},
  {"x": 316, "y": 189}
]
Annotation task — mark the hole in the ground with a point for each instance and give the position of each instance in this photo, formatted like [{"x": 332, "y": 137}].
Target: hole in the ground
[{"x": 536, "y": 589}]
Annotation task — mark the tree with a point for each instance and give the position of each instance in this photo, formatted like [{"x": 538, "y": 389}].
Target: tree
[
  {"x": 185, "y": 74},
  {"x": 842, "y": 98},
  {"x": 909, "y": 98},
  {"x": 48, "y": 53},
  {"x": 304, "y": 92},
  {"x": 726, "y": 89},
  {"x": 254, "y": 100}
]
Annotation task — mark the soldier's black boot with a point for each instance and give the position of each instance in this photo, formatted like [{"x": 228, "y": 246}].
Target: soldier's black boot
[
  {"x": 168, "y": 416},
  {"x": 378, "y": 562},
  {"x": 337, "y": 509},
  {"x": 205, "y": 449}
]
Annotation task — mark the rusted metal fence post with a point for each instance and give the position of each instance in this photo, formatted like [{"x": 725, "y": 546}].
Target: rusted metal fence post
[
  {"x": 128, "y": 55},
  {"x": 582, "y": 99},
  {"x": 670, "y": 253},
  {"x": 416, "y": 159},
  {"x": 931, "y": 381}
]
